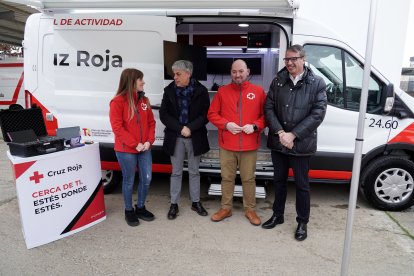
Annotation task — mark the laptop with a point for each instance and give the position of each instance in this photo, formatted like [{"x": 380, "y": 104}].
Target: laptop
[
  {"x": 24, "y": 131},
  {"x": 23, "y": 136},
  {"x": 71, "y": 135}
]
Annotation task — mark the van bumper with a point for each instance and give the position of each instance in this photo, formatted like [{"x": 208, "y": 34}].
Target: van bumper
[
  {"x": 160, "y": 160},
  {"x": 211, "y": 167}
]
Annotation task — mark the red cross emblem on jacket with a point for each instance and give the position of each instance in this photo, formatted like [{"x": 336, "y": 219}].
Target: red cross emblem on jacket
[{"x": 251, "y": 96}]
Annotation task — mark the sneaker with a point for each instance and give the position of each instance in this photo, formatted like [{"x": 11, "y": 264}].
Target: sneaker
[
  {"x": 131, "y": 218},
  {"x": 144, "y": 214}
]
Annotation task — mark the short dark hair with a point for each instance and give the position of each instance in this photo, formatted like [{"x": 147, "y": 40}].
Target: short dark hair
[{"x": 297, "y": 49}]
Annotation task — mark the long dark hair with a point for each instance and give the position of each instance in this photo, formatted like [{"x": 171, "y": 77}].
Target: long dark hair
[{"x": 127, "y": 86}]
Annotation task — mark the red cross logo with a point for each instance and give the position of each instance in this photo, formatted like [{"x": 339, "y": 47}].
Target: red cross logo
[
  {"x": 36, "y": 177},
  {"x": 86, "y": 131},
  {"x": 251, "y": 96}
]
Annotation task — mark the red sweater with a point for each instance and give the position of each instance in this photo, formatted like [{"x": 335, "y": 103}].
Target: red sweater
[
  {"x": 242, "y": 104},
  {"x": 129, "y": 133}
]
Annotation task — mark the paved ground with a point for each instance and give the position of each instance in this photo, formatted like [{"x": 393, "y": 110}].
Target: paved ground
[{"x": 193, "y": 245}]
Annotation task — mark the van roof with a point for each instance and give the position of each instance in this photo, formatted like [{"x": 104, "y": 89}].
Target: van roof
[{"x": 280, "y": 8}]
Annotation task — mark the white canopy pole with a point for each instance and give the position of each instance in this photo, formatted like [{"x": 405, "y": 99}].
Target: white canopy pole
[{"x": 356, "y": 168}]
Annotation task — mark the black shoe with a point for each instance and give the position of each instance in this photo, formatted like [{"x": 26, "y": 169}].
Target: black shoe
[
  {"x": 131, "y": 218},
  {"x": 173, "y": 212},
  {"x": 196, "y": 206},
  {"x": 301, "y": 232},
  {"x": 144, "y": 214},
  {"x": 273, "y": 221}
]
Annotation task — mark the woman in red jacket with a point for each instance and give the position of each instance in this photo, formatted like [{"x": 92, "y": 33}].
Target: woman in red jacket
[{"x": 133, "y": 125}]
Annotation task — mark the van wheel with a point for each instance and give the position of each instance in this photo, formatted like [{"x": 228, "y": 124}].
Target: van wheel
[
  {"x": 387, "y": 183},
  {"x": 110, "y": 180},
  {"x": 15, "y": 107}
]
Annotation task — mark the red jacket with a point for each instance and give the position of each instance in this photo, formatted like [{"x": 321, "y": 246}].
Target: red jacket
[
  {"x": 241, "y": 104},
  {"x": 129, "y": 133}
]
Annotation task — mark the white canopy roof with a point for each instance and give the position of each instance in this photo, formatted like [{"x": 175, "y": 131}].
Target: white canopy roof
[
  {"x": 284, "y": 7},
  {"x": 12, "y": 19}
]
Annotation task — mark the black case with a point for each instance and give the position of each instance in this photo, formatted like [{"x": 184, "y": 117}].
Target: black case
[{"x": 24, "y": 119}]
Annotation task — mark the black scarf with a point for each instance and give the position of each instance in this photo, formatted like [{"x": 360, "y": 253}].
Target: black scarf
[{"x": 184, "y": 95}]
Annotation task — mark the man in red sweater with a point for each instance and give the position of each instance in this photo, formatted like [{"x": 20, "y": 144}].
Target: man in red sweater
[{"x": 237, "y": 110}]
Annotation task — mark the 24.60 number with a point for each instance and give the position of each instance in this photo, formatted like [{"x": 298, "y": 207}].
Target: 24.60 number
[{"x": 388, "y": 124}]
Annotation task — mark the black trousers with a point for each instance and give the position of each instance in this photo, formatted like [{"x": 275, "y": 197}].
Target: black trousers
[{"x": 300, "y": 167}]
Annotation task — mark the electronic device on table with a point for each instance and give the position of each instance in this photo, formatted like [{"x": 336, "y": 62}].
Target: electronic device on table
[{"x": 24, "y": 130}]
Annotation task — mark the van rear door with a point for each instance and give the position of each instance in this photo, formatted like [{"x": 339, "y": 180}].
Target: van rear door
[{"x": 90, "y": 52}]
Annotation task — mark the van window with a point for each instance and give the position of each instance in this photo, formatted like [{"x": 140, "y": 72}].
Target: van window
[
  {"x": 343, "y": 76},
  {"x": 226, "y": 41}
]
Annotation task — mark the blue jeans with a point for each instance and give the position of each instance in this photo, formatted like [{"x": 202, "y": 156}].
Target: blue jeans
[{"x": 129, "y": 162}]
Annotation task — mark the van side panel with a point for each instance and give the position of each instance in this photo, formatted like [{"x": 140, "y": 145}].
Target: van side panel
[{"x": 82, "y": 57}]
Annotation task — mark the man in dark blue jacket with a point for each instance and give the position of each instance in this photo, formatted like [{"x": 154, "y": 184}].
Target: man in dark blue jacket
[
  {"x": 183, "y": 111},
  {"x": 295, "y": 107}
]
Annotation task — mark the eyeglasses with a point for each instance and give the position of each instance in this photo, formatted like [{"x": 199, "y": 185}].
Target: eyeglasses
[{"x": 292, "y": 59}]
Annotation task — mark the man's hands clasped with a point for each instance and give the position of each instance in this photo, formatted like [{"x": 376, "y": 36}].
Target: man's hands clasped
[
  {"x": 286, "y": 139},
  {"x": 236, "y": 129},
  {"x": 185, "y": 131}
]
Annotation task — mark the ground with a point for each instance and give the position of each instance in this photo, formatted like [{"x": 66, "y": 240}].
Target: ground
[{"x": 194, "y": 245}]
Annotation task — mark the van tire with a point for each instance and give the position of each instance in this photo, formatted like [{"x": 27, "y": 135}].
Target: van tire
[
  {"x": 110, "y": 180},
  {"x": 384, "y": 168},
  {"x": 15, "y": 107}
]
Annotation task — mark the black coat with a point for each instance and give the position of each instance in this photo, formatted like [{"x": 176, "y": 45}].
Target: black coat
[
  {"x": 298, "y": 109},
  {"x": 197, "y": 118}
]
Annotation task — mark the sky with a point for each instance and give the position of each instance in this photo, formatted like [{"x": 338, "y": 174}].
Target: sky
[{"x": 409, "y": 44}]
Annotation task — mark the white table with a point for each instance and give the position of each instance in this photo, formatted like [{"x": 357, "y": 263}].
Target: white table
[{"x": 59, "y": 193}]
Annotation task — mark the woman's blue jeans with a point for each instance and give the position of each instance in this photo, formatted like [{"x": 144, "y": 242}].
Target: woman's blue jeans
[{"x": 129, "y": 163}]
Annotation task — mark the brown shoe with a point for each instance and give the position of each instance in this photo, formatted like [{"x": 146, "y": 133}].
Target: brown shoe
[
  {"x": 221, "y": 214},
  {"x": 252, "y": 217}
]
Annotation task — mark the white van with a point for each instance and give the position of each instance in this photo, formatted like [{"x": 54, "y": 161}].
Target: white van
[
  {"x": 76, "y": 50},
  {"x": 11, "y": 83}
]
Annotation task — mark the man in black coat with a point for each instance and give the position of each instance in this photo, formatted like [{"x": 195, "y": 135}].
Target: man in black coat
[
  {"x": 295, "y": 106},
  {"x": 183, "y": 111}
]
